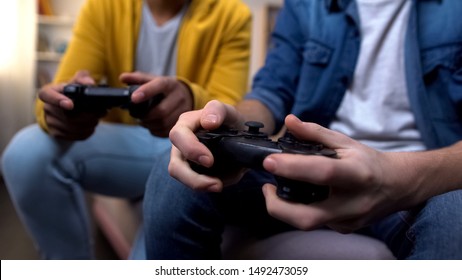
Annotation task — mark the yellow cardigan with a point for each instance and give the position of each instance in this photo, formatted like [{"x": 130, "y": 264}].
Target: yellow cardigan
[{"x": 213, "y": 49}]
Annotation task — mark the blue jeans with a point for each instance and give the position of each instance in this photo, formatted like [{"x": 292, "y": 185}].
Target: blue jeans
[
  {"x": 47, "y": 180},
  {"x": 432, "y": 231},
  {"x": 181, "y": 223}
]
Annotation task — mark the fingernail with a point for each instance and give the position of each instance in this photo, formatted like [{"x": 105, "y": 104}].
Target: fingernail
[
  {"x": 213, "y": 188},
  {"x": 66, "y": 104},
  {"x": 270, "y": 164},
  {"x": 266, "y": 190},
  {"x": 137, "y": 96},
  {"x": 88, "y": 80},
  {"x": 212, "y": 118},
  {"x": 204, "y": 160}
]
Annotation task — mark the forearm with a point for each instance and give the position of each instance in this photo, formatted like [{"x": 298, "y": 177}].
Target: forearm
[
  {"x": 430, "y": 173},
  {"x": 253, "y": 110}
]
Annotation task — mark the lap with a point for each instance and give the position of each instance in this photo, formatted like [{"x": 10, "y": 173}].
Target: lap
[{"x": 115, "y": 160}]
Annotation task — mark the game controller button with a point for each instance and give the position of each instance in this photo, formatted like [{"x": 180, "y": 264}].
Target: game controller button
[
  {"x": 254, "y": 127},
  {"x": 71, "y": 88}
]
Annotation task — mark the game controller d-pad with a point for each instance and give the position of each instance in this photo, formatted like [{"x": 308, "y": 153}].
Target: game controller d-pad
[
  {"x": 97, "y": 98},
  {"x": 233, "y": 149}
]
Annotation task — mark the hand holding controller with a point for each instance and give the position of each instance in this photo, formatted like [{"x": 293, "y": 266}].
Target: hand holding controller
[
  {"x": 93, "y": 98},
  {"x": 248, "y": 149}
]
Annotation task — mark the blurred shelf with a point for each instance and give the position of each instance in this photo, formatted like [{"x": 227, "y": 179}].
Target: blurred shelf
[
  {"x": 49, "y": 56},
  {"x": 55, "y": 20}
]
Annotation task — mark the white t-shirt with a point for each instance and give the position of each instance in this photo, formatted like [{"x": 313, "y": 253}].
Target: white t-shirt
[
  {"x": 157, "y": 49},
  {"x": 375, "y": 109}
]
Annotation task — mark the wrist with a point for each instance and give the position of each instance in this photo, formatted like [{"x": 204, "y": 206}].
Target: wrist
[
  {"x": 188, "y": 93},
  {"x": 422, "y": 175}
]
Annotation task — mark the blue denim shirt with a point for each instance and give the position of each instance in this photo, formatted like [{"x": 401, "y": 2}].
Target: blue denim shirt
[{"x": 314, "y": 50}]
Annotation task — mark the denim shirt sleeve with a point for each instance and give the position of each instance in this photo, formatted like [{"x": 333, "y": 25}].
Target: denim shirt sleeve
[
  {"x": 310, "y": 62},
  {"x": 275, "y": 84},
  {"x": 434, "y": 71}
]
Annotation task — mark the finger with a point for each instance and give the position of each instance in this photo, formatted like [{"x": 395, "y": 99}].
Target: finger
[
  {"x": 346, "y": 226},
  {"x": 331, "y": 211},
  {"x": 153, "y": 88},
  {"x": 216, "y": 114},
  {"x": 318, "y": 170},
  {"x": 341, "y": 229},
  {"x": 60, "y": 123},
  {"x": 183, "y": 133},
  {"x": 158, "y": 124},
  {"x": 350, "y": 223},
  {"x": 135, "y": 78},
  {"x": 82, "y": 123},
  {"x": 68, "y": 131},
  {"x": 183, "y": 137},
  {"x": 180, "y": 169},
  {"x": 171, "y": 106},
  {"x": 309, "y": 168},
  {"x": 83, "y": 77},
  {"x": 81, "y": 117},
  {"x": 302, "y": 216},
  {"x": 51, "y": 94},
  {"x": 314, "y": 132}
]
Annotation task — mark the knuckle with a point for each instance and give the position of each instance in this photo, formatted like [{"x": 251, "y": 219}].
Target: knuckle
[
  {"x": 173, "y": 134},
  {"x": 161, "y": 110},
  {"x": 328, "y": 172}
]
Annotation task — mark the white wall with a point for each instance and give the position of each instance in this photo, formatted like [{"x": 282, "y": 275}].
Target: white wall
[
  {"x": 18, "y": 29},
  {"x": 17, "y": 56}
]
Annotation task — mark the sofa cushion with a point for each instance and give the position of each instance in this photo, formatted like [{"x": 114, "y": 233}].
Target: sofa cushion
[{"x": 322, "y": 244}]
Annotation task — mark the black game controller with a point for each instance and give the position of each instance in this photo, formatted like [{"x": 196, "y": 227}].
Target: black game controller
[
  {"x": 247, "y": 149},
  {"x": 97, "y": 98}
]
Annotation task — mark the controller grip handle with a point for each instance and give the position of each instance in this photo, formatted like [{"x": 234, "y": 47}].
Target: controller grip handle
[
  {"x": 140, "y": 110},
  {"x": 299, "y": 191}
]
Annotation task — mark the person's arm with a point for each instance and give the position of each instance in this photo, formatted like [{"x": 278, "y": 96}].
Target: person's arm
[
  {"x": 86, "y": 51},
  {"x": 365, "y": 184},
  {"x": 277, "y": 83}
]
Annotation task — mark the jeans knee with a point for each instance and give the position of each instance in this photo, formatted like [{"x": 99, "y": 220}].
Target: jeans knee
[
  {"x": 453, "y": 210},
  {"x": 437, "y": 228},
  {"x": 446, "y": 208},
  {"x": 23, "y": 164}
]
